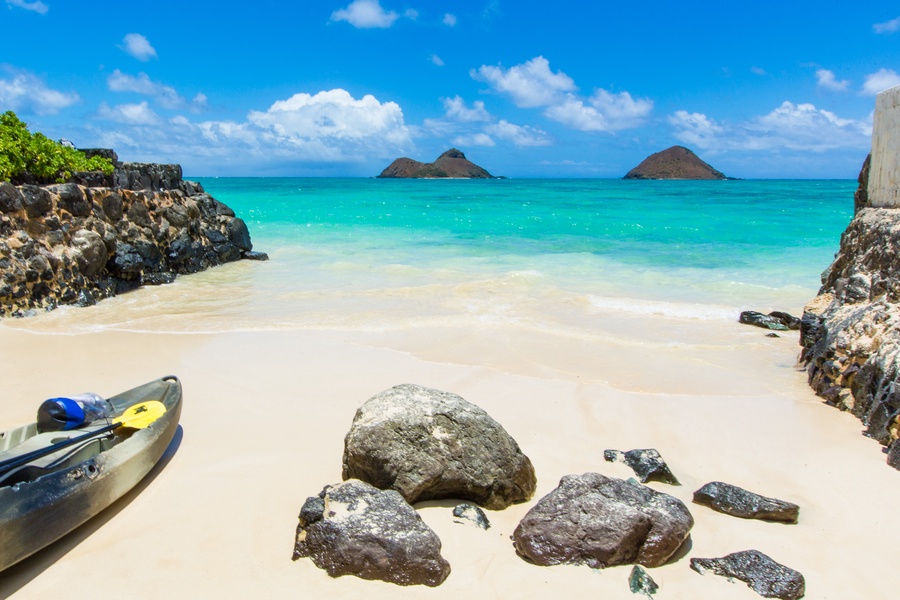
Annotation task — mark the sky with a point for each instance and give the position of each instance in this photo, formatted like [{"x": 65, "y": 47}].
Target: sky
[{"x": 758, "y": 89}]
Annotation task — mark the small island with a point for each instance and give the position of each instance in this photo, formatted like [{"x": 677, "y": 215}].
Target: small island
[
  {"x": 676, "y": 162},
  {"x": 452, "y": 164}
]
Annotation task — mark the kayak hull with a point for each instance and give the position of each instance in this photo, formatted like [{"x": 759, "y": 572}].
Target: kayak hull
[{"x": 36, "y": 513}]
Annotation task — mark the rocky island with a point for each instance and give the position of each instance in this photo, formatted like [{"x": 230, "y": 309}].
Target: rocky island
[
  {"x": 452, "y": 164},
  {"x": 676, "y": 162}
]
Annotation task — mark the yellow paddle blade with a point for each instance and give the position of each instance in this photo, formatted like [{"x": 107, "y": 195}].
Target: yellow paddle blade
[{"x": 141, "y": 415}]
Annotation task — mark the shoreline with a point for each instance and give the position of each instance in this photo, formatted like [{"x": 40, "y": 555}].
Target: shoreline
[{"x": 223, "y": 513}]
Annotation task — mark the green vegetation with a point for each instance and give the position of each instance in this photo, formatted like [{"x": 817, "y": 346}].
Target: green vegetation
[{"x": 23, "y": 153}]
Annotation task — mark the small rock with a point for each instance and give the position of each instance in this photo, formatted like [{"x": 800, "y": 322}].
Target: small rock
[
  {"x": 773, "y": 335},
  {"x": 764, "y": 576},
  {"x": 353, "y": 528},
  {"x": 893, "y": 458},
  {"x": 640, "y": 582},
  {"x": 601, "y": 521},
  {"x": 647, "y": 464},
  {"x": 473, "y": 514},
  {"x": 738, "y": 502},
  {"x": 780, "y": 321}
]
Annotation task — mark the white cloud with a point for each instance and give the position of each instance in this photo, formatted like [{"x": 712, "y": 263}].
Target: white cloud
[
  {"x": 450, "y": 20},
  {"x": 437, "y": 60},
  {"x": 788, "y": 127},
  {"x": 518, "y": 134},
  {"x": 826, "y": 79},
  {"x": 530, "y": 85},
  {"x": 129, "y": 114},
  {"x": 606, "y": 112},
  {"x": 758, "y": 71},
  {"x": 475, "y": 139},
  {"x": 368, "y": 14},
  {"x": 38, "y": 6},
  {"x": 165, "y": 95},
  {"x": 137, "y": 46},
  {"x": 456, "y": 109},
  {"x": 879, "y": 81},
  {"x": 25, "y": 92},
  {"x": 888, "y": 26}
]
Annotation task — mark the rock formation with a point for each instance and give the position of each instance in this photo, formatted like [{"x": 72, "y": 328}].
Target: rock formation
[
  {"x": 450, "y": 164},
  {"x": 75, "y": 243},
  {"x": 428, "y": 445},
  {"x": 764, "y": 576},
  {"x": 676, "y": 162},
  {"x": 738, "y": 502},
  {"x": 647, "y": 464},
  {"x": 600, "y": 521},
  {"x": 353, "y": 528}
]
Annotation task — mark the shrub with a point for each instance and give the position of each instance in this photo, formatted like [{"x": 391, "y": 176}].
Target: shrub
[{"x": 23, "y": 153}]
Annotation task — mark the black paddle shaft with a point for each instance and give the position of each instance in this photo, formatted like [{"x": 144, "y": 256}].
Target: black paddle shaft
[{"x": 12, "y": 463}]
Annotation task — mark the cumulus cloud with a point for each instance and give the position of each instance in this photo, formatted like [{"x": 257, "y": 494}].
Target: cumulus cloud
[
  {"x": 825, "y": 79},
  {"x": 129, "y": 114},
  {"x": 165, "y": 95},
  {"x": 604, "y": 112},
  {"x": 368, "y": 14},
  {"x": 137, "y": 46},
  {"x": 457, "y": 110},
  {"x": 25, "y": 92},
  {"x": 530, "y": 84},
  {"x": 879, "y": 81},
  {"x": 887, "y": 27},
  {"x": 474, "y": 139},
  {"x": 450, "y": 20},
  {"x": 788, "y": 127},
  {"x": 38, "y": 6},
  {"x": 517, "y": 134}
]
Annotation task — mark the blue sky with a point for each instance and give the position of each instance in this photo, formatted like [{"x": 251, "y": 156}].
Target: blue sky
[{"x": 525, "y": 89}]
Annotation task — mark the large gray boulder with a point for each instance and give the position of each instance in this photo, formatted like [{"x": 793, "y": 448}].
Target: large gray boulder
[
  {"x": 428, "y": 445},
  {"x": 601, "y": 521},
  {"x": 764, "y": 576},
  {"x": 353, "y": 528},
  {"x": 738, "y": 502}
]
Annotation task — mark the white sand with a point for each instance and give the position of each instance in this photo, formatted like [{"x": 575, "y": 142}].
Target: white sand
[{"x": 265, "y": 414}]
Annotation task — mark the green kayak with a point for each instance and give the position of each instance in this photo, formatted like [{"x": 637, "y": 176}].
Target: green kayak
[{"x": 52, "y": 482}]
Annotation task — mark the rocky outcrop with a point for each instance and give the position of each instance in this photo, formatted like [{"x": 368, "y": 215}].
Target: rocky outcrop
[
  {"x": 676, "y": 162},
  {"x": 764, "y": 576},
  {"x": 647, "y": 464},
  {"x": 738, "y": 502},
  {"x": 600, "y": 521},
  {"x": 429, "y": 445},
  {"x": 450, "y": 164},
  {"x": 72, "y": 244},
  {"x": 353, "y": 528}
]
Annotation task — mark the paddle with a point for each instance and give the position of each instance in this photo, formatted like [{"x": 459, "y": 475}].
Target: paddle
[{"x": 137, "y": 416}]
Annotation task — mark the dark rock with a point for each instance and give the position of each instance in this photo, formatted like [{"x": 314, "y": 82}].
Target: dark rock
[
  {"x": 451, "y": 163},
  {"x": 113, "y": 206},
  {"x": 91, "y": 179},
  {"x": 773, "y": 335},
  {"x": 647, "y": 464},
  {"x": 787, "y": 319},
  {"x": 36, "y": 200},
  {"x": 353, "y": 528},
  {"x": 428, "y": 445},
  {"x": 158, "y": 278},
  {"x": 126, "y": 263},
  {"x": 10, "y": 198},
  {"x": 106, "y": 153},
  {"x": 238, "y": 234},
  {"x": 138, "y": 214},
  {"x": 738, "y": 502},
  {"x": 71, "y": 198},
  {"x": 471, "y": 513},
  {"x": 861, "y": 196},
  {"x": 251, "y": 255},
  {"x": 774, "y": 320},
  {"x": 676, "y": 162},
  {"x": 147, "y": 176},
  {"x": 765, "y": 576},
  {"x": 640, "y": 582},
  {"x": 91, "y": 253},
  {"x": 893, "y": 457},
  {"x": 600, "y": 521}
]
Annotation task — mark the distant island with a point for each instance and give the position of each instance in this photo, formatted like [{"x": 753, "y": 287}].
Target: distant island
[
  {"x": 676, "y": 162},
  {"x": 451, "y": 164}
]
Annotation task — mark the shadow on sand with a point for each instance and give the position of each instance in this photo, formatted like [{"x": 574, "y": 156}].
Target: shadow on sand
[{"x": 20, "y": 574}]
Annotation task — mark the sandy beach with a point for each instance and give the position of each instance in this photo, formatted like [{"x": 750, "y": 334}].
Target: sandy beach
[{"x": 265, "y": 414}]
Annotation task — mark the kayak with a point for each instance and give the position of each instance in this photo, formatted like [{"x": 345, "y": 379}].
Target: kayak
[{"x": 52, "y": 482}]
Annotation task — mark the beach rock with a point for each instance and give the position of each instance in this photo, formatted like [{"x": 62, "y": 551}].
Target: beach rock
[
  {"x": 471, "y": 513},
  {"x": 428, "y": 445},
  {"x": 647, "y": 464},
  {"x": 780, "y": 321},
  {"x": 451, "y": 163},
  {"x": 738, "y": 502},
  {"x": 676, "y": 162},
  {"x": 600, "y": 521},
  {"x": 10, "y": 198},
  {"x": 764, "y": 576},
  {"x": 640, "y": 582},
  {"x": 894, "y": 455},
  {"x": 353, "y": 528}
]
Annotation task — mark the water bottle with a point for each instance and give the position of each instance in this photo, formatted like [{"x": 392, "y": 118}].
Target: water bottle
[{"x": 63, "y": 414}]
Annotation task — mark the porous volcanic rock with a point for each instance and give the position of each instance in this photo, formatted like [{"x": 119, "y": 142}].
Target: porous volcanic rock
[
  {"x": 764, "y": 576},
  {"x": 451, "y": 164},
  {"x": 601, "y": 521},
  {"x": 647, "y": 464},
  {"x": 428, "y": 444},
  {"x": 738, "y": 502},
  {"x": 353, "y": 528},
  {"x": 676, "y": 162}
]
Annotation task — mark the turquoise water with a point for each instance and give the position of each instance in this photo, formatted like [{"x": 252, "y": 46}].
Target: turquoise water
[{"x": 567, "y": 256}]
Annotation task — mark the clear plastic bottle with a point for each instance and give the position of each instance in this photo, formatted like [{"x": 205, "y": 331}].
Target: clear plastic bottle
[
  {"x": 58, "y": 414},
  {"x": 95, "y": 407}
]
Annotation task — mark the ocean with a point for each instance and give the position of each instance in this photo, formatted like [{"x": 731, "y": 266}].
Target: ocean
[{"x": 558, "y": 255}]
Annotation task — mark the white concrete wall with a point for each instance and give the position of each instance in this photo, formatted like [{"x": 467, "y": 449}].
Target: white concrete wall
[{"x": 884, "y": 176}]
